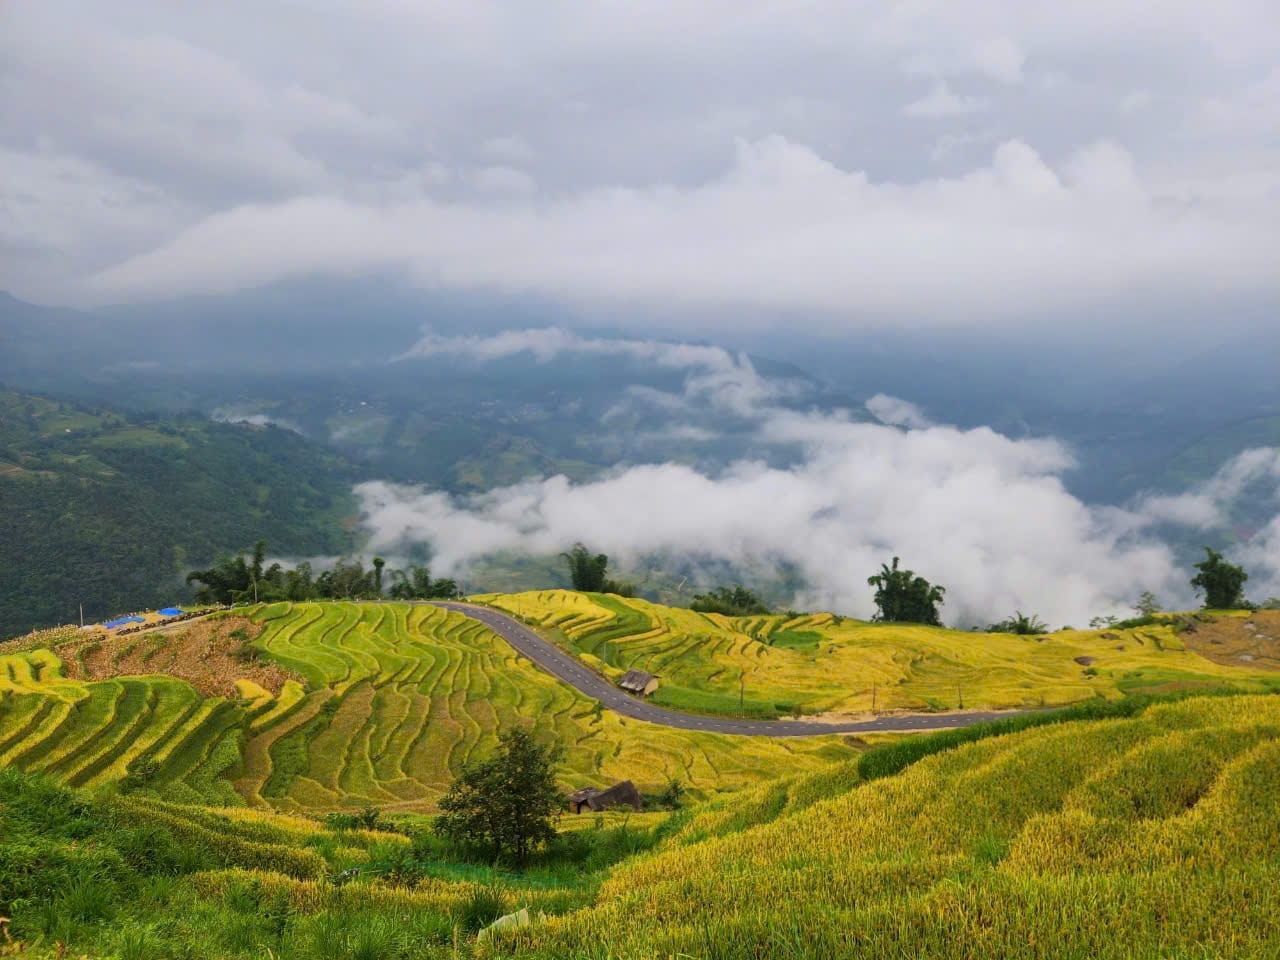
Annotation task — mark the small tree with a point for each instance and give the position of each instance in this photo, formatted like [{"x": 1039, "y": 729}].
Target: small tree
[
  {"x": 1021, "y": 624},
  {"x": 1147, "y": 605},
  {"x": 505, "y": 805},
  {"x": 903, "y": 597},
  {"x": 586, "y": 570},
  {"x": 1222, "y": 582}
]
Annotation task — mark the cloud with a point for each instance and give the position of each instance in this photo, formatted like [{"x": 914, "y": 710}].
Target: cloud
[
  {"x": 981, "y": 513},
  {"x": 588, "y": 153},
  {"x": 986, "y": 515},
  {"x": 718, "y": 377},
  {"x": 780, "y": 228},
  {"x": 1208, "y": 505},
  {"x": 897, "y": 413},
  {"x": 941, "y": 102}
]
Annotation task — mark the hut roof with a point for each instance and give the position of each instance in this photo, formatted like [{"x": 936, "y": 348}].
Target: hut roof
[{"x": 636, "y": 680}]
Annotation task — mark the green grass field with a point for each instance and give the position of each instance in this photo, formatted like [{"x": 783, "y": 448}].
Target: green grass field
[
  {"x": 821, "y": 663},
  {"x": 391, "y": 701}
]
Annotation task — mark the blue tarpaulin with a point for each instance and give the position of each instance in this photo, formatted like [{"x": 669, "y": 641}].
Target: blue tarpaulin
[
  {"x": 112, "y": 624},
  {"x": 171, "y": 612}
]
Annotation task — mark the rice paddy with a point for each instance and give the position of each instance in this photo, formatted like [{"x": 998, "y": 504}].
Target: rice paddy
[
  {"x": 1154, "y": 836},
  {"x": 1149, "y": 833},
  {"x": 778, "y": 665},
  {"x": 386, "y": 703}
]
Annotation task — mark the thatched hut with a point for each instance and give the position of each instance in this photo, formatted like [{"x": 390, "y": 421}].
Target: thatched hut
[
  {"x": 596, "y": 800},
  {"x": 638, "y": 682}
]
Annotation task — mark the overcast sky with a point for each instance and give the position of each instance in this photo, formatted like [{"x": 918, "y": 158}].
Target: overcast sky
[{"x": 938, "y": 161}]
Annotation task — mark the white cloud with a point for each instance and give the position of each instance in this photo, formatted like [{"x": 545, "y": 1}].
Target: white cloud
[
  {"x": 722, "y": 379},
  {"x": 894, "y": 412},
  {"x": 983, "y": 514},
  {"x": 781, "y": 228},
  {"x": 941, "y": 102}
]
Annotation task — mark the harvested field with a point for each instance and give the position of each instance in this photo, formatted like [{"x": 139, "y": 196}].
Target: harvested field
[
  {"x": 209, "y": 654},
  {"x": 1252, "y": 641}
]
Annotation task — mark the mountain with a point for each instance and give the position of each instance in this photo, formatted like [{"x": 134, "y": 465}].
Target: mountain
[{"x": 111, "y": 509}]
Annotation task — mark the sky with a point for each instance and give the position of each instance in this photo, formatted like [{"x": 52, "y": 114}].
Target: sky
[
  {"x": 681, "y": 171},
  {"x": 830, "y": 164}
]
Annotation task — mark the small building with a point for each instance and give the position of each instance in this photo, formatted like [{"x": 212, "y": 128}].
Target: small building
[
  {"x": 597, "y": 800},
  {"x": 638, "y": 682}
]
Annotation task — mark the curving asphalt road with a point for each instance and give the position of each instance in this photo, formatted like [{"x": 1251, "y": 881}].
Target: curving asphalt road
[{"x": 573, "y": 672}]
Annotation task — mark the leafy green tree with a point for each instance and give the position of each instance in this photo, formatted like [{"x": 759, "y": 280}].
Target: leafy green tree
[
  {"x": 586, "y": 570},
  {"x": 418, "y": 585},
  {"x": 378, "y": 564},
  {"x": 1148, "y": 605},
  {"x": 903, "y": 597},
  {"x": 735, "y": 601},
  {"x": 1020, "y": 623},
  {"x": 506, "y": 805},
  {"x": 1221, "y": 582}
]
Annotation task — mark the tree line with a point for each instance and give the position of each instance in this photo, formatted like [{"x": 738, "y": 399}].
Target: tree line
[{"x": 237, "y": 580}]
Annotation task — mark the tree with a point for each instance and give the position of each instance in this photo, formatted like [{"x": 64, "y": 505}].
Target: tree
[
  {"x": 505, "y": 805},
  {"x": 586, "y": 570},
  {"x": 1021, "y": 624},
  {"x": 736, "y": 601},
  {"x": 903, "y": 597},
  {"x": 1222, "y": 582},
  {"x": 418, "y": 585},
  {"x": 378, "y": 564},
  {"x": 1147, "y": 605}
]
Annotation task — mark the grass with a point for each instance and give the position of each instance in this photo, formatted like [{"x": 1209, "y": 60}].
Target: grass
[
  {"x": 819, "y": 663},
  {"x": 392, "y": 700}
]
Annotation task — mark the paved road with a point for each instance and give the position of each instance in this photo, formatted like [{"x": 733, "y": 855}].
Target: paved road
[{"x": 573, "y": 672}]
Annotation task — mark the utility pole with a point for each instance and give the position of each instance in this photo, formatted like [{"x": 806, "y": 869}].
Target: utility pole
[
  {"x": 81, "y": 614},
  {"x": 742, "y": 679},
  {"x": 960, "y": 697},
  {"x": 873, "y": 698}
]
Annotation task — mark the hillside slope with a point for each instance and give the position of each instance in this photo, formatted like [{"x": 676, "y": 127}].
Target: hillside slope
[
  {"x": 111, "y": 510},
  {"x": 1149, "y": 837},
  {"x": 779, "y": 664},
  {"x": 387, "y": 703}
]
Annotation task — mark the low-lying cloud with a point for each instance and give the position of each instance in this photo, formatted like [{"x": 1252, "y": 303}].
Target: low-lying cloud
[{"x": 983, "y": 514}]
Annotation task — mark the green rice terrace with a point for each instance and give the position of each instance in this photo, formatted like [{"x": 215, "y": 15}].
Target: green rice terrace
[{"x": 377, "y": 704}]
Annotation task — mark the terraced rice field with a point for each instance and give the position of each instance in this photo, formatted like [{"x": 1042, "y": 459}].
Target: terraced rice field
[
  {"x": 88, "y": 734},
  {"x": 1148, "y": 837},
  {"x": 821, "y": 663},
  {"x": 389, "y": 701}
]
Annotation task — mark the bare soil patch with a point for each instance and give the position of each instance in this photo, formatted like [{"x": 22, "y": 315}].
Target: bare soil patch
[
  {"x": 1239, "y": 641},
  {"x": 211, "y": 655}
]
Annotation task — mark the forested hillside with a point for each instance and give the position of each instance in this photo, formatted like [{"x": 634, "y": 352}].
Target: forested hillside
[{"x": 111, "y": 510}]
